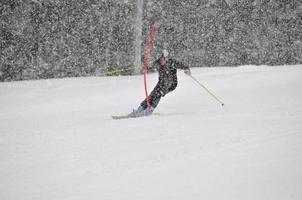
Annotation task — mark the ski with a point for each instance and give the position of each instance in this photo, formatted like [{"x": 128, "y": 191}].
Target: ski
[{"x": 129, "y": 116}]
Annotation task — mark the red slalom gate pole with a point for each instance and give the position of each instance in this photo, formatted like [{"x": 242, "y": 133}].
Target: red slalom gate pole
[{"x": 147, "y": 53}]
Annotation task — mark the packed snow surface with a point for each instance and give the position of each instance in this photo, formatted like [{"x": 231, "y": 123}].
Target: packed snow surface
[{"x": 58, "y": 140}]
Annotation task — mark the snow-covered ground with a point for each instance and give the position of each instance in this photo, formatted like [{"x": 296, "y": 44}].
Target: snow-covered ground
[{"x": 58, "y": 141}]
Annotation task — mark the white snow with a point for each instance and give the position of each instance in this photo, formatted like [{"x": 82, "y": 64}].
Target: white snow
[{"x": 58, "y": 141}]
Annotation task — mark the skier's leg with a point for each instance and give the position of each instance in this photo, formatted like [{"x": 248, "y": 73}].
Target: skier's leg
[
  {"x": 173, "y": 86},
  {"x": 154, "y": 97}
]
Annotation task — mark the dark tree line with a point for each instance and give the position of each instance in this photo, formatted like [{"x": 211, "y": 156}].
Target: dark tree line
[
  {"x": 53, "y": 38},
  {"x": 232, "y": 33}
]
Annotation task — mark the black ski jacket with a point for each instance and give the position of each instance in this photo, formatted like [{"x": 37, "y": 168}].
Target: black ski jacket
[{"x": 167, "y": 79}]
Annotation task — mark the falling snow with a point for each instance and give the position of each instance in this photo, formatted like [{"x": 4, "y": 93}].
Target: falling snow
[
  {"x": 50, "y": 39},
  {"x": 59, "y": 141}
]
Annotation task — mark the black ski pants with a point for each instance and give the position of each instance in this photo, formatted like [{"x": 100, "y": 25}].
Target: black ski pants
[{"x": 156, "y": 94}]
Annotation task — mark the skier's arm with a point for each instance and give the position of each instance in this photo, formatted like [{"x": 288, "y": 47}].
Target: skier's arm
[{"x": 180, "y": 65}]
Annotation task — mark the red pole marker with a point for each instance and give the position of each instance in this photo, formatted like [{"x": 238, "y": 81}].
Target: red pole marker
[{"x": 147, "y": 53}]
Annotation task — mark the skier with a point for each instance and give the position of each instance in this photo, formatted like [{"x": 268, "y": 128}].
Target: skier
[{"x": 167, "y": 82}]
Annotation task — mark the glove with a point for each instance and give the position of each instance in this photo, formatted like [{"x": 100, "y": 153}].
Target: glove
[{"x": 188, "y": 72}]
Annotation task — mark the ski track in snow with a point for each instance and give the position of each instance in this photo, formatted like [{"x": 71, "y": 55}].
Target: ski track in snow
[{"x": 58, "y": 141}]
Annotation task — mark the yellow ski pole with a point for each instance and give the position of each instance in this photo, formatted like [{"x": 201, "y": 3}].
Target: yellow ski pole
[
  {"x": 206, "y": 89},
  {"x": 115, "y": 71}
]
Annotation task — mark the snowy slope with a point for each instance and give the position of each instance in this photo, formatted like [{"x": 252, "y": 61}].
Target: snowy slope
[{"x": 58, "y": 141}]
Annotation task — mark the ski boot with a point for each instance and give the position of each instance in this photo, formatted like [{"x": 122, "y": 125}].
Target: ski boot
[{"x": 140, "y": 111}]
